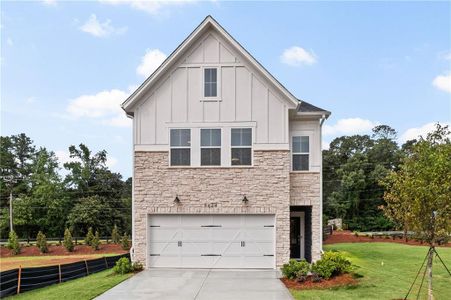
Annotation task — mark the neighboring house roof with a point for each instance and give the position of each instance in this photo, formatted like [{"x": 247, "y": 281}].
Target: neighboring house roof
[
  {"x": 206, "y": 24},
  {"x": 305, "y": 107}
]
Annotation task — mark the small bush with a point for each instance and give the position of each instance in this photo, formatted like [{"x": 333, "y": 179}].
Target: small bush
[
  {"x": 137, "y": 266},
  {"x": 89, "y": 237},
  {"x": 125, "y": 242},
  {"x": 123, "y": 266},
  {"x": 323, "y": 268},
  {"x": 68, "y": 242},
  {"x": 115, "y": 236},
  {"x": 41, "y": 242},
  {"x": 95, "y": 242},
  {"x": 295, "y": 269},
  {"x": 13, "y": 243},
  {"x": 331, "y": 264}
]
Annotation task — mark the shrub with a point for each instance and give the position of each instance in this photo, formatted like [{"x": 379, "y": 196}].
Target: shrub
[
  {"x": 95, "y": 242},
  {"x": 13, "y": 243},
  {"x": 125, "y": 242},
  {"x": 331, "y": 264},
  {"x": 295, "y": 269},
  {"x": 68, "y": 242},
  {"x": 89, "y": 237},
  {"x": 115, "y": 236},
  {"x": 323, "y": 268},
  {"x": 137, "y": 266},
  {"x": 123, "y": 266},
  {"x": 41, "y": 242}
]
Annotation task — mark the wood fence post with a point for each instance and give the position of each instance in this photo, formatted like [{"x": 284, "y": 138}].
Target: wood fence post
[
  {"x": 19, "y": 275},
  {"x": 59, "y": 271},
  {"x": 87, "y": 270}
]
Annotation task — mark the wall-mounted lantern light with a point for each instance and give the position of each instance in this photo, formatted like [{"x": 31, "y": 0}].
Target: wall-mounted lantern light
[
  {"x": 177, "y": 200},
  {"x": 245, "y": 201}
]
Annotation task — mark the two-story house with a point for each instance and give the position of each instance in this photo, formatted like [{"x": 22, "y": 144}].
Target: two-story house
[{"x": 227, "y": 162}]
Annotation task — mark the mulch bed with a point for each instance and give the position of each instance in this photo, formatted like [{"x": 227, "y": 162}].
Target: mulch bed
[
  {"x": 337, "y": 281},
  {"x": 60, "y": 250},
  {"x": 346, "y": 236}
]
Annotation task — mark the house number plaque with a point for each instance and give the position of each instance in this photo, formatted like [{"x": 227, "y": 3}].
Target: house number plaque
[{"x": 211, "y": 205}]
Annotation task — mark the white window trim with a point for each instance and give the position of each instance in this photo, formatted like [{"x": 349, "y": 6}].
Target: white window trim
[
  {"x": 218, "y": 83},
  {"x": 180, "y": 147},
  {"x": 221, "y": 148},
  {"x": 242, "y": 147},
  {"x": 298, "y": 153}
]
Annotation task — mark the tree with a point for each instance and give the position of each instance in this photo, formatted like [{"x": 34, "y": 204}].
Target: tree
[
  {"x": 115, "y": 236},
  {"x": 13, "y": 243},
  {"x": 125, "y": 242},
  {"x": 41, "y": 242},
  {"x": 68, "y": 242},
  {"x": 95, "y": 241},
  {"x": 419, "y": 193},
  {"x": 89, "y": 237}
]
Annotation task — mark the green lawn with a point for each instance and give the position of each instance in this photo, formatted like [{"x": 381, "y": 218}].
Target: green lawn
[
  {"x": 80, "y": 289},
  {"x": 388, "y": 270}
]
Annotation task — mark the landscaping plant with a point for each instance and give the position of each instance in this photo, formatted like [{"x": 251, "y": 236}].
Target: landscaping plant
[
  {"x": 295, "y": 269},
  {"x": 41, "y": 242},
  {"x": 95, "y": 242},
  {"x": 125, "y": 242},
  {"x": 137, "y": 266},
  {"x": 89, "y": 237},
  {"x": 115, "y": 236},
  {"x": 68, "y": 242},
  {"x": 123, "y": 266},
  {"x": 13, "y": 243}
]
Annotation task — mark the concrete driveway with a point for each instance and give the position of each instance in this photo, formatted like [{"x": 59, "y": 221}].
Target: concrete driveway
[{"x": 201, "y": 284}]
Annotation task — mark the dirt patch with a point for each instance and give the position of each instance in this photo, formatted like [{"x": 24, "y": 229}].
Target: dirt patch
[
  {"x": 337, "y": 281},
  {"x": 349, "y": 237},
  {"x": 60, "y": 250}
]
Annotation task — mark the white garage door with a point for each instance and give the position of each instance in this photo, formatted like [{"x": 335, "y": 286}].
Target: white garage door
[{"x": 211, "y": 241}]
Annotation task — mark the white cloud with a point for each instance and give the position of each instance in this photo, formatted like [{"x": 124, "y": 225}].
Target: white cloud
[
  {"x": 103, "y": 106},
  {"x": 30, "y": 100},
  {"x": 99, "y": 29},
  {"x": 296, "y": 56},
  {"x": 349, "y": 126},
  {"x": 150, "y": 62},
  {"x": 50, "y": 2},
  {"x": 151, "y": 7},
  {"x": 9, "y": 41},
  {"x": 443, "y": 82},
  {"x": 416, "y": 132}
]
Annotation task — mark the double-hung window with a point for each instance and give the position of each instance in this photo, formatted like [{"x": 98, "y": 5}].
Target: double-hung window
[
  {"x": 180, "y": 147},
  {"x": 210, "y": 82},
  {"x": 301, "y": 153},
  {"x": 210, "y": 147},
  {"x": 241, "y": 146}
]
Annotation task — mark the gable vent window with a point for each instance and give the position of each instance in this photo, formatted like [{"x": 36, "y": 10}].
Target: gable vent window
[
  {"x": 210, "y": 82},
  {"x": 210, "y": 147},
  {"x": 301, "y": 153},
  {"x": 180, "y": 147},
  {"x": 241, "y": 146}
]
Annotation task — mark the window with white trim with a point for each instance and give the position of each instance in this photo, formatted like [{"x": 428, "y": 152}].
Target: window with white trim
[
  {"x": 300, "y": 153},
  {"x": 210, "y": 82},
  {"x": 180, "y": 147},
  {"x": 210, "y": 147},
  {"x": 241, "y": 145}
]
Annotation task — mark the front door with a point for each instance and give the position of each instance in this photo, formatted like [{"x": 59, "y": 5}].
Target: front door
[{"x": 295, "y": 237}]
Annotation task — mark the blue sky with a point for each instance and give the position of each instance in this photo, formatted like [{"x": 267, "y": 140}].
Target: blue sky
[{"x": 65, "y": 67}]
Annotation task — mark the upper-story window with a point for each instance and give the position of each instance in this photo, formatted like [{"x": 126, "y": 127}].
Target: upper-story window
[
  {"x": 241, "y": 146},
  {"x": 301, "y": 153},
  {"x": 180, "y": 147},
  {"x": 210, "y": 82},
  {"x": 210, "y": 147}
]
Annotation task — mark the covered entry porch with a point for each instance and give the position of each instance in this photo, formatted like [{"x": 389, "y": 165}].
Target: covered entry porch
[{"x": 301, "y": 232}]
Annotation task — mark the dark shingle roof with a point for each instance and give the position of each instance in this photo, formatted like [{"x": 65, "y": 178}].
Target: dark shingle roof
[{"x": 307, "y": 107}]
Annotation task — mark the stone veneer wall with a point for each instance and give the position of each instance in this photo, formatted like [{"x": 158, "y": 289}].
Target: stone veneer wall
[
  {"x": 266, "y": 185},
  {"x": 305, "y": 191}
]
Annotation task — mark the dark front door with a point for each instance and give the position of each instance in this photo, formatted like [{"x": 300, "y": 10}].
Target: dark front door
[{"x": 295, "y": 237}]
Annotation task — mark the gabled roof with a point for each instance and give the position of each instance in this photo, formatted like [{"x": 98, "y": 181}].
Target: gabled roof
[
  {"x": 206, "y": 24},
  {"x": 305, "y": 107}
]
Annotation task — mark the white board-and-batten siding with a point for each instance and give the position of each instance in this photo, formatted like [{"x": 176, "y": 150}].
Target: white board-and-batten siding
[{"x": 244, "y": 98}]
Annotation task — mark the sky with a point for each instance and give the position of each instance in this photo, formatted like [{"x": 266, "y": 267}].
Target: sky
[{"x": 67, "y": 66}]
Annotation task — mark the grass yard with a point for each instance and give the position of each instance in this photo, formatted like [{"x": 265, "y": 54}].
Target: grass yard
[
  {"x": 13, "y": 262},
  {"x": 388, "y": 271},
  {"x": 84, "y": 288}
]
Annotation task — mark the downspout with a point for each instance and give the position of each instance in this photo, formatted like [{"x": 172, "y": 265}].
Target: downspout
[{"x": 321, "y": 121}]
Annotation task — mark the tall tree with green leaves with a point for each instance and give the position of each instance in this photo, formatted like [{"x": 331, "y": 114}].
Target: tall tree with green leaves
[{"x": 419, "y": 193}]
